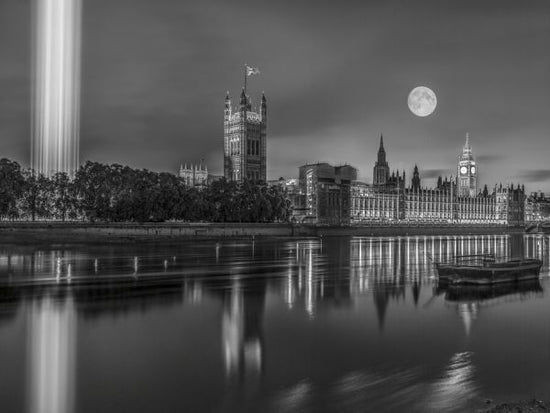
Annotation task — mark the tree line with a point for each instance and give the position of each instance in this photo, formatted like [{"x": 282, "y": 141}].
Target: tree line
[{"x": 117, "y": 193}]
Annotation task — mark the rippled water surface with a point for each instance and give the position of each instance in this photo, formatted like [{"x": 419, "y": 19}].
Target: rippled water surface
[{"x": 338, "y": 324}]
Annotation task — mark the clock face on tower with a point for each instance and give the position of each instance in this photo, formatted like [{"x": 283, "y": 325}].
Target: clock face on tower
[
  {"x": 473, "y": 169},
  {"x": 463, "y": 170}
]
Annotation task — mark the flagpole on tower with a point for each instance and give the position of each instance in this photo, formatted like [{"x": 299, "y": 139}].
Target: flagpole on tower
[
  {"x": 245, "y": 76},
  {"x": 249, "y": 71}
]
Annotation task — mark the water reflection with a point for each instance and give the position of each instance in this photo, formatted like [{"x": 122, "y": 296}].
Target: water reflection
[
  {"x": 456, "y": 388},
  {"x": 470, "y": 300},
  {"x": 51, "y": 341},
  {"x": 369, "y": 310},
  {"x": 242, "y": 330}
]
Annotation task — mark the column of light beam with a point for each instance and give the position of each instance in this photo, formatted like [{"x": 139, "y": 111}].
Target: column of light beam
[{"x": 55, "y": 120}]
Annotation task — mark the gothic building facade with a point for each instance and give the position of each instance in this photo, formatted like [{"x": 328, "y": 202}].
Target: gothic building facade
[
  {"x": 245, "y": 145},
  {"x": 389, "y": 200},
  {"x": 194, "y": 174},
  {"x": 369, "y": 204}
]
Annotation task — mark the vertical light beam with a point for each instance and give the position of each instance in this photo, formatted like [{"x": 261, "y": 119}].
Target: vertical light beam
[{"x": 55, "y": 127}]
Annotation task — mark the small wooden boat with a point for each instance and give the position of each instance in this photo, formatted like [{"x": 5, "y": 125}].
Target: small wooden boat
[{"x": 484, "y": 269}]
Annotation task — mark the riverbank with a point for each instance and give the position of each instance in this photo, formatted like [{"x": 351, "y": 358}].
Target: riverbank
[
  {"x": 523, "y": 406},
  {"x": 58, "y": 232}
]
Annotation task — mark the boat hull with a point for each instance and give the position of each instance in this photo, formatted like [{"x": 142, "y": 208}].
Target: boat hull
[{"x": 511, "y": 271}]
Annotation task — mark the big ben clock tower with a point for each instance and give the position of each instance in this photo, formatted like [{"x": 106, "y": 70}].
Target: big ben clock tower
[{"x": 467, "y": 171}]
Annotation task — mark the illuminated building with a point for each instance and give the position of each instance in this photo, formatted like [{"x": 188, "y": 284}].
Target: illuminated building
[
  {"x": 369, "y": 204},
  {"x": 326, "y": 192},
  {"x": 194, "y": 175},
  {"x": 537, "y": 207},
  {"x": 388, "y": 200},
  {"x": 245, "y": 144}
]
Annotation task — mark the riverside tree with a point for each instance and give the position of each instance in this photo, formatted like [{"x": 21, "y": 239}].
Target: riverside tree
[{"x": 117, "y": 193}]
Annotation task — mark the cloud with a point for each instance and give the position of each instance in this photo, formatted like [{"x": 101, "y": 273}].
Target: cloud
[
  {"x": 433, "y": 173},
  {"x": 487, "y": 159},
  {"x": 534, "y": 175}
]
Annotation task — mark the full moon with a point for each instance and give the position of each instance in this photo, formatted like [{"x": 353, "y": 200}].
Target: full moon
[{"x": 422, "y": 101}]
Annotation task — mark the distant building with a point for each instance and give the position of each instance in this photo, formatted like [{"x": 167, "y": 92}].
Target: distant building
[
  {"x": 510, "y": 206},
  {"x": 537, "y": 207},
  {"x": 326, "y": 193},
  {"x": 371, "y": 204},
  {"x": 389, "y": 200},
  {"x": 245, "y": 145},
  {"x": 295, "y": 195},
  {"x": 467, "y": 171},
  {"x": 193, "y": 174}
]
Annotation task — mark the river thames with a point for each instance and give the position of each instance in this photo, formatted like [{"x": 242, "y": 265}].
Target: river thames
[{"x": 290, "y": 325}]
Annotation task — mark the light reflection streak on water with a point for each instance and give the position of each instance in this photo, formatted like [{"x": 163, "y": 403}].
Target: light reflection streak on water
[
  {"x": 408, "y": 390},
  {"x": 456, "y": 388},
  {"x": 295, "y": 398},
  {"x": 241, "y": 332},
  {"x": 468, "y": 314},
  {"x": 51, "y": 342},
  {"x": 289, "y": 289},
  {"x": 232, "y": 330},
  {"x": 380, "y": 391},
  {"x": 309, "y": 284}
]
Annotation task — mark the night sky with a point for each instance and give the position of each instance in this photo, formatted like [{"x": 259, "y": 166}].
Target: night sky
[{"x": 336, "y": 74}]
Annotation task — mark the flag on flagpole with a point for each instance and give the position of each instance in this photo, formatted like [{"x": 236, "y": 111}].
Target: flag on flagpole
[{"x": 252, "y": 70}]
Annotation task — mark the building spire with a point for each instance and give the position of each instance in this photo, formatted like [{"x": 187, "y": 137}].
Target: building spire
[
  {"x": 416, "y": 178},
  {"x": 381, "y": 151},
  {"x": 467, "y": 144},
  {"x": 467, "y": 153}
]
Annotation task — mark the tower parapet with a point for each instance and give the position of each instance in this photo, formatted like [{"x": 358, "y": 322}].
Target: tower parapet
[{"x": 245, "y": 140}]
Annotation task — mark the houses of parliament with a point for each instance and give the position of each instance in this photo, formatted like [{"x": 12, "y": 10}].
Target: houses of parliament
[{"x": 333, "y": 195}]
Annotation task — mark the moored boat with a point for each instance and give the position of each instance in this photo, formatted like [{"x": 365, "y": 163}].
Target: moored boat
[{"x": 484, "y": 269}]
